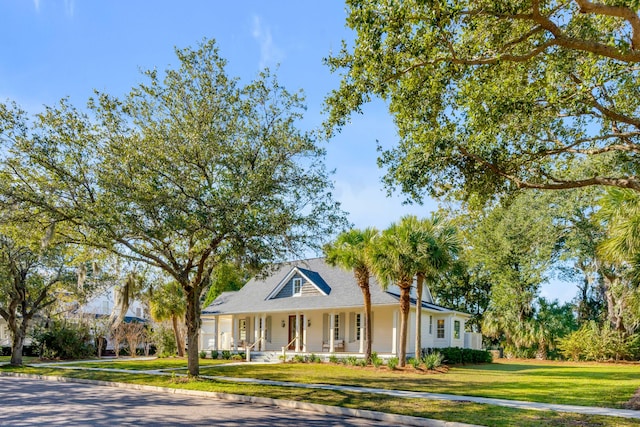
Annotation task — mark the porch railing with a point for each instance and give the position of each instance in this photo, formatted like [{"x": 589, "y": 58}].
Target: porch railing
[
  {"x": 284, "y": 349},
  {"x": 248, "y": 348}
]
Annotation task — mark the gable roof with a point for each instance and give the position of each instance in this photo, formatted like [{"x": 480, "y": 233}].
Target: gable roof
[
  {"x": 312, "y": 277},
  {"x": 339, "y": 290}
]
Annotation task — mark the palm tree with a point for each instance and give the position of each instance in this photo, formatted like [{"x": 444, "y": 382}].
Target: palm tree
[
  {"x": 393, "y": 260},
  {"x": 436, "y": 243},
  {"x": 350, "y": 252},
  {"x": 168, "y": 303},
  {"x": 620, "y": 208}
]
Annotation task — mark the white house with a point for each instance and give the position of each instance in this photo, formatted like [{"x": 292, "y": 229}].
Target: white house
[
  {"x": 310, "y": 307},
  {"x": 5, "y": 334}
]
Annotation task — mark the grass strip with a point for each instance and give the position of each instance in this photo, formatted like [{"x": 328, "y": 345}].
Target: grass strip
[
  {"x": 467, "y": 412},
  {"x": 603, "y": 385}
]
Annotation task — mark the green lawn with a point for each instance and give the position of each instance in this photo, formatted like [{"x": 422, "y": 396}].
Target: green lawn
[
  {"x": 608, "y": 385},
  {"x": 147, "y": 365},
  {"x": 553, "y": 382},
  {"x": 448, "y": 411}
]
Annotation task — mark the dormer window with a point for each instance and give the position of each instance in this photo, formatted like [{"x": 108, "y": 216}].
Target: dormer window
[{"x": 297, "y": 286}]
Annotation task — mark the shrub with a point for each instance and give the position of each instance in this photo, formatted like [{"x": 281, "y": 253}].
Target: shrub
[
  {"x": 433, "y": 360},
  {"x": 214, "y": 354},
  {"x": 414, "y": 362},
  {"x": 376, "y": 360},
  {"x": 592, "y": 342},
  {"x": 352, "y": 361},
  {"x": 333, "y": 359},
  {"x": 361, "y": 362},
  {"x": 226, "y": 354},
  {"x": 64, "y": 340},
  {"x": 314, "y": 358},
  {"x": 203, "y": 354},
  {"x": 456, "y": 355},
  {"x": 237, "y": 357},
  {"x": 298, "y": 358},
  {"x": 165, "y": 341},
  {"x": 392, "y": 363}
]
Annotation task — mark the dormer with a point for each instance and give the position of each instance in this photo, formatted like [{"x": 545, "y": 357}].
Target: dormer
[{"x": 300, "y": 282}]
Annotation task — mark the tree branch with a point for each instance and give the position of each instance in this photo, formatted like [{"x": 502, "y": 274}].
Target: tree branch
[{"x": 623, "y": 12}]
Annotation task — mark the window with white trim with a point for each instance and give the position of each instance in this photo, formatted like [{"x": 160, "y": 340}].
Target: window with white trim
[
  {"x": 430, "y": 325},
  {"x": 242, "y": 326},
  {"x": 440, "y": 328},
  {"x": 456, "y": 329},
  {"x": 336, "y": 327},
  {"x": 358, "y": 326},
  {"x": 297, "y": 286}
]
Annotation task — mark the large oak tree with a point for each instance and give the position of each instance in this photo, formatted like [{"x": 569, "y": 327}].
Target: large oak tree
[
  {"x": 491, "y": 96},
  {"x": 188, "y": 171}
]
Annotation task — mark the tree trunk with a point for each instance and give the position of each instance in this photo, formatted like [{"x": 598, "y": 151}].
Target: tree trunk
[
  {"x": 366, "y": 293},
  {"x": 178, "y": 336},
  {"x": 419, "y": 283},
  {"x": 192, "y": 318},
  {"x": 16, "y": 346},
  {"x": 405, "y": 306},
  {"x": 362, "y": 277}
]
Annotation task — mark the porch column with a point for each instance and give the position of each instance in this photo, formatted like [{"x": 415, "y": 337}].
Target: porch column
[
  {"x": 256, "y": 328},
  {"x": 297, "y": 332},
  {"x": 304, "y": 335},
  {"x": 332, "y": 326},
  {"x": 234, "y": 333},
  {"x": 263, "y": 328},
  {"x": 394, "y": 332},
  {"x": 362, "y": 336},
  {"x": 216, "y": 333}
]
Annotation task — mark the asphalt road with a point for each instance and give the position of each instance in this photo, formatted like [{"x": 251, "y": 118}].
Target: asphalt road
[{"x": 31, "y": 402}]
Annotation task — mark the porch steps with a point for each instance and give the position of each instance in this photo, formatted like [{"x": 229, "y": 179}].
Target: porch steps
[{"x": 265, "y": 356}]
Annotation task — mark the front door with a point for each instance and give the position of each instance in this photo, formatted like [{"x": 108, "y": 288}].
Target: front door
[{"x": 292, "y": 330}]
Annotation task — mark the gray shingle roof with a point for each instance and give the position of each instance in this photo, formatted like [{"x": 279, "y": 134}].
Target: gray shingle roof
[{"x": 340, "y": 285}]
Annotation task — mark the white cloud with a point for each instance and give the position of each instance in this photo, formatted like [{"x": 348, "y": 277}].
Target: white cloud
[
  {"x": 69, "y": 7},
  {"x": 270, "y": 54}
]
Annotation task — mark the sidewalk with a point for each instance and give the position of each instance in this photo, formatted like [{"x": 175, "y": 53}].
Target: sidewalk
[{"x": 587, "y": 410}]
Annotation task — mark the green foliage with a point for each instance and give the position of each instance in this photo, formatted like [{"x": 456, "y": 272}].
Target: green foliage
[
  {"x": 188, "y": 171},
  {"x": 214, "y": 354},
  {"x": 203, "y": 354},
  {"x": 568, "y": 119},
  {"x": 298, "y": 358},
  {"x": 314, "y": 358},
  {"x": 433, "y": 360},
  {"x": 595, "y": 343},
  {"x": 376, "y": 360},
  {"x": 392, "y": 363},
  {"x": 237, "y": 357},
  {"x": 226, "y": 354},
  {"x": 351, "y": 361},
  {"x": 225, "y": 277},
  {"x": 414, "y": 362},
  {"x": 457, "y": 355},
  {"x": 333, "y": 358},
  {"x": 164, "y": 340},
  {"x": 64, "y": 340}
]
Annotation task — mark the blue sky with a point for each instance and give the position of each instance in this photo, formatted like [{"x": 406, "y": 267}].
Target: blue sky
[{"x": 64, "y": 48}]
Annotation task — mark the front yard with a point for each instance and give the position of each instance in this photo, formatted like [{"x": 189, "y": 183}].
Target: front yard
[
  {"x": 583, "y": 384},
  {"x": 609, "y": 385}
]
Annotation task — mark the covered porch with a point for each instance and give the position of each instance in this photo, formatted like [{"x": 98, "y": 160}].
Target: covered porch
[{"x": 300, "y": 332}]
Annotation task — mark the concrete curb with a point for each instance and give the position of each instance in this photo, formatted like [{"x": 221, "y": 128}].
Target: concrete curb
[{"x": 392, "y": 419}]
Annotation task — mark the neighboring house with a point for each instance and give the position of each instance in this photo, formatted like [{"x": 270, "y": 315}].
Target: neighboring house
[
  {"x": 310, "y": 307},
  {"x": 5, "y": 334},
  {"x": 104, "y": 303}
]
